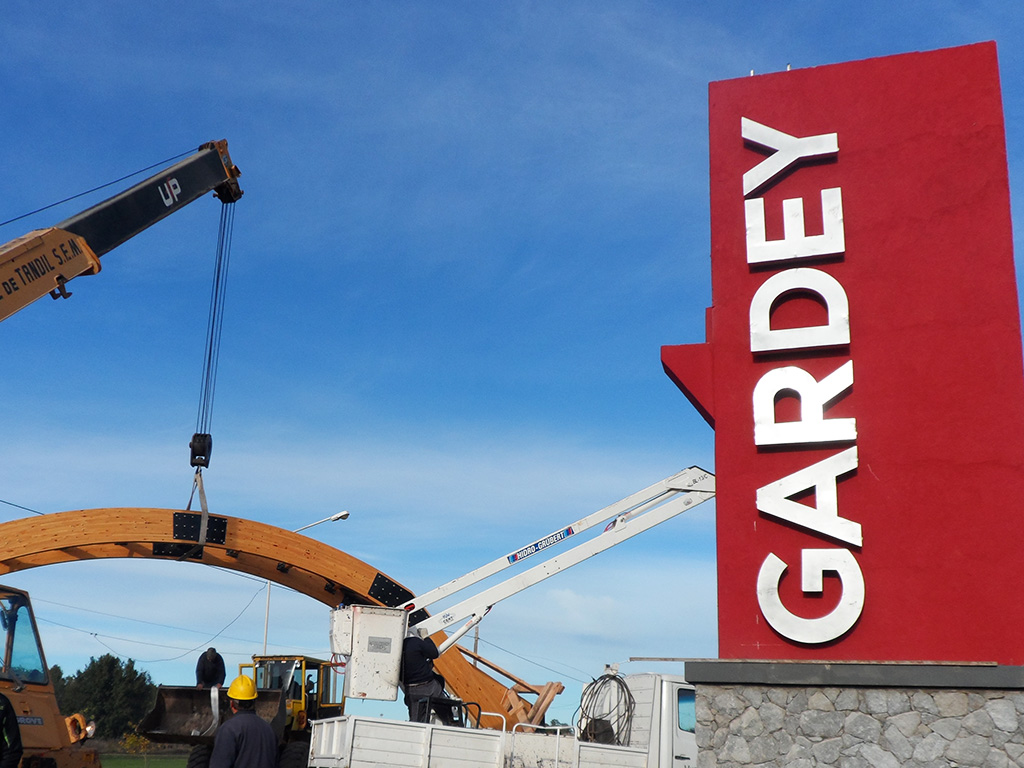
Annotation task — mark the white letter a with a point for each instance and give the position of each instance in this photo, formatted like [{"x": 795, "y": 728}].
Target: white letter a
[{"x": 823, "y": 477}]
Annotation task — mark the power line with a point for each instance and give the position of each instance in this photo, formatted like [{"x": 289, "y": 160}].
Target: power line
[
  {"x": 109, "y": 637},
  {"x": 206, "y": 642},
  {"x": 116, "y": 616},
  {"x": 536, "y": 663},
  {"x": 186, "y": 651},
  {"x": 98, "y": 636}
]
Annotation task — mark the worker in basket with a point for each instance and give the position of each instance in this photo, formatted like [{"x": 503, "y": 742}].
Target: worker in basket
[{"x": 422, "y": 685}]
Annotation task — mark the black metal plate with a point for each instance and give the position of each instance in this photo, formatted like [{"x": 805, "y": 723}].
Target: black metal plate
[
  {"x": 394, "y": 595},
  {"x": 187, "y": 524},
  {"x": 178, "y": 551}
]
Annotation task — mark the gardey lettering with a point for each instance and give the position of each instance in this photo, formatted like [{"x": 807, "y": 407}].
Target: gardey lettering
[{"x": 813, "y": 428}]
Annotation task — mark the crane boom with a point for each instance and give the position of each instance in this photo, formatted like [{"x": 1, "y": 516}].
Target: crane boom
[{"x": 45, "y": 260}]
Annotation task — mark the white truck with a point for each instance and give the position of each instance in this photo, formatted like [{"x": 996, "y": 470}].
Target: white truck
[{"x": 638, "y": 721}]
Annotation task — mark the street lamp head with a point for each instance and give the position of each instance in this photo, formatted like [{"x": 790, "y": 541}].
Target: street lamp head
[{"x": 340, "y": 516}]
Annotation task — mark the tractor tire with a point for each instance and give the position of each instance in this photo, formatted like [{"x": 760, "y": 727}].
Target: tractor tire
[
  {"x": 199, "y": 757},
  {"x": 294, "y": 754}
]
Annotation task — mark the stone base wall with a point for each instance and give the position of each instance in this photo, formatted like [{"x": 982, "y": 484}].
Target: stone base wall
[{"x": 748, "y": 726}]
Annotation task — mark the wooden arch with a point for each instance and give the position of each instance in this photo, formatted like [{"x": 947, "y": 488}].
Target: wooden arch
[{"x": 281, "y": 556}]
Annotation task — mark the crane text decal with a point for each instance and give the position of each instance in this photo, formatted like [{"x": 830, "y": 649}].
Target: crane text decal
[
  {"x": 17, "y": 274},
  {"x": 544, "y": 543},
  {"x": 170, "y": 191}
]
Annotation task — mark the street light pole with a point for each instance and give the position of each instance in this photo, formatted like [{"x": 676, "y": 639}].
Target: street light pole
[
  {"x": 266, "y": 621},
  {"x": 333, "y": 518}
]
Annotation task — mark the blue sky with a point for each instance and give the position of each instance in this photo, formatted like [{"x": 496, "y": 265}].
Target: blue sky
[{"x": 468, "y": 228}]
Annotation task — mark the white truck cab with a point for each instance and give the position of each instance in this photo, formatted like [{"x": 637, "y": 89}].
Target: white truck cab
[{"x": 664, "y": 719}]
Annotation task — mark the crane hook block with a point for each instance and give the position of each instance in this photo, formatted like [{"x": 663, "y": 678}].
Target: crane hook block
[{"x": 201, "y": 446}]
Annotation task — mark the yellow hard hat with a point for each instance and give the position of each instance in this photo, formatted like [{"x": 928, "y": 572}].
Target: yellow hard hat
[{"x": 242, "y": 689}]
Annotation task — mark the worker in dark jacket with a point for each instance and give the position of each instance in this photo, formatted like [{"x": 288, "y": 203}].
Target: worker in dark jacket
[
  {"x": 10, "y": 735},
  {"x": 245, "y": 740},
  {"x": 419, "y": 680},
  {"x": 210, "y": 670}
]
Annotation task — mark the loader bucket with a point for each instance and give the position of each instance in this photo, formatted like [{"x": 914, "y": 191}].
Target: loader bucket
[{"x": 184, "y": 715}]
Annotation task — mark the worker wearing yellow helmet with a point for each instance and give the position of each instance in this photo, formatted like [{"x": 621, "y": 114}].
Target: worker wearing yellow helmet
[{"x": 245, "y": 740}]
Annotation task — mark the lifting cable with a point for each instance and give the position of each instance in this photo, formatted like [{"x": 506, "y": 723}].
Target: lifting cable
[{"x": 202, "y": 441}]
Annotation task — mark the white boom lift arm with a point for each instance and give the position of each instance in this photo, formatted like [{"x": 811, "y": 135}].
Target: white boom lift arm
[
  {"x": 372, "y": 636},
  {"x": 629, "y": 517},
  {"x": 361, "y": 631}
]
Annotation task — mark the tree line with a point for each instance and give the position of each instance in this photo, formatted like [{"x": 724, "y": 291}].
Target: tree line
[{"x": 113, "y": 694}]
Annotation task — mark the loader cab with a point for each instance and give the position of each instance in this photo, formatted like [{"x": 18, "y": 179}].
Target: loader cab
[
  {"x": 46, "y": 735},
  {"x": 312, "y": 688},
  {"x": 22, "y": 660}
]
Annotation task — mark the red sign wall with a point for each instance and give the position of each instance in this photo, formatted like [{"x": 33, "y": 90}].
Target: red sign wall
[{"x": 863, "y": 367}]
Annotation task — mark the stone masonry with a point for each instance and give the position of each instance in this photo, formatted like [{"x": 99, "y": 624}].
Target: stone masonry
[
  {"x": 755, "y": 726},
  {"x": 770, "y": 723}
]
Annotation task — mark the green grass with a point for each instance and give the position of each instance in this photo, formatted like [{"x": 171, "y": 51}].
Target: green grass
[{"x": 143, "y": 761}]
